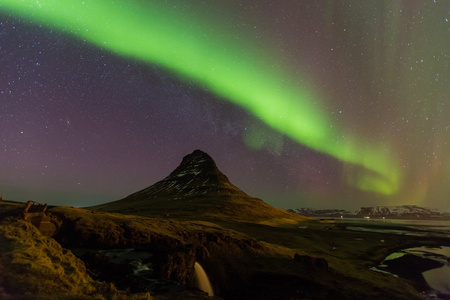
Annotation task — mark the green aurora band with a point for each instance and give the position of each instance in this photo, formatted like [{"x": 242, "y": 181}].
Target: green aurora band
[{"x": 197, "y": 49}]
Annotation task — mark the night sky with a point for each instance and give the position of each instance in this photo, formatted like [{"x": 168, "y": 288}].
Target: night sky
[{"x": 322, "y": 104}]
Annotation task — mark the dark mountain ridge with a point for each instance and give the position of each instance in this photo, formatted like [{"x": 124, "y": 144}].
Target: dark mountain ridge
[
  {"x": 399, "y": 211},
  {"x": 197, "y": 189}
]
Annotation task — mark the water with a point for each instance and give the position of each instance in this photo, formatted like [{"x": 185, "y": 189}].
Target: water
[
  {"x": 432, "y": 228},
  {"x": 142, "y": 268},
  {"x": 142, "y": 271},
  {"x": 436, "y": 278},
  {"x": 201, "y": 280},
  {"x": 439, "y": 279}
]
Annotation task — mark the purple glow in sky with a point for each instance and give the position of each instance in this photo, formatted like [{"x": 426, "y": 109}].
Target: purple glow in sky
[{"x": 80, "y": 125}]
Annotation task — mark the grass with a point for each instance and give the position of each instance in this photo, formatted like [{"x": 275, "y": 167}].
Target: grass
[
  {"x": 240, "y": 257},
  {"x": 37, "y": 267}
]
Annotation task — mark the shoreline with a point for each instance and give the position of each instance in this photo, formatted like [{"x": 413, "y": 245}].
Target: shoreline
[
  {"x": 401, "y": 266},
  {"x": 380, "y": 218}
]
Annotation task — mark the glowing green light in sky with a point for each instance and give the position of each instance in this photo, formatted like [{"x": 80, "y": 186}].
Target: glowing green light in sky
[{"x": 199, "y": 50}]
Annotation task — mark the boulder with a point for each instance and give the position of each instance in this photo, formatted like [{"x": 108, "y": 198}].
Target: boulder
[{"x": 311, "y": 261}]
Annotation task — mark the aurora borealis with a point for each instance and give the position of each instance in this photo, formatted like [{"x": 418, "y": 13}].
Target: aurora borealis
[{"x": 313, "y": 103}]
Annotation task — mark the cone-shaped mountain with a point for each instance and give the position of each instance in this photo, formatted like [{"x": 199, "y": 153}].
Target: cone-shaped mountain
[{"x": 197, "y": 189}]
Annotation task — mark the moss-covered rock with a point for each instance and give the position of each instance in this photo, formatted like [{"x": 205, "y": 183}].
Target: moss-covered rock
[{"x": 35, "y": 266}]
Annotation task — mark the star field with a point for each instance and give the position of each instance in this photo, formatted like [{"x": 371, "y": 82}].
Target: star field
[{"x": 81, "y": 123}]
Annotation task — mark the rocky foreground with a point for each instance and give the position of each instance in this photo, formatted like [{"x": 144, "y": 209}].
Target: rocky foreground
[
  {"x": 243, "y": 260},
  {"x": 146, "y": 246}
]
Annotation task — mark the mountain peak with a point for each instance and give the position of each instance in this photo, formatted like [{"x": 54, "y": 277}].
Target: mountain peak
[
  {"x": 198, "y": 155},
  {"x": 195, "y": 163},
  {"x": 197, "y": 167},
  {"x": 196, "y": 188}
]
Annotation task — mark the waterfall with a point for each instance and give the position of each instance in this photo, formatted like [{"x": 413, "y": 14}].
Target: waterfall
[{"x": 201, "y": 280}]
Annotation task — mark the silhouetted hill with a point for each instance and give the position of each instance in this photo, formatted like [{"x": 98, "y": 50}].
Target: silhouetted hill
[{"x": 198, "y": 189}]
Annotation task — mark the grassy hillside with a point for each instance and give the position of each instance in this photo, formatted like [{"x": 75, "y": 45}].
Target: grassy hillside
[
  {"x": 243, "y": 260},
  {"x": 37, "y": 267},
  {"x": 245, "y": 257}
]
